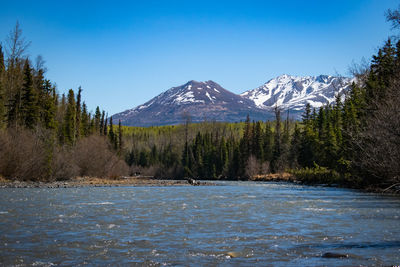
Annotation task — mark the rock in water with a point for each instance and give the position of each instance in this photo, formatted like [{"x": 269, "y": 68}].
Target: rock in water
[
  {"x": 331, "y": 255},
  {"x": 232, "y": 254},
  {"x": 193, "y": 181}
]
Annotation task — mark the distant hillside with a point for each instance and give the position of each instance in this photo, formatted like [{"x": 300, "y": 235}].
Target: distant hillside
[
  {"x": 202, "y": 100},
  {"x": 209, "y": 101}
]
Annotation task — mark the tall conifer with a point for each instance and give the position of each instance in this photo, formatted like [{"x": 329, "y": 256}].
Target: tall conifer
[
  {"x": 78, "y": 114},
  {"x": 2, "y": 90},
  {"x": 29, "y": 104},
  {"x": 70, "y": 119}
]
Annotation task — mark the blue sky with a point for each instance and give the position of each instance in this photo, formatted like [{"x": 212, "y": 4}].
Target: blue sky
[{"x": 123, "y": 53}]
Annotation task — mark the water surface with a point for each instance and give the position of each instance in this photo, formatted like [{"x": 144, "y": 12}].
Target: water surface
[{"x": 264, "y": 224}]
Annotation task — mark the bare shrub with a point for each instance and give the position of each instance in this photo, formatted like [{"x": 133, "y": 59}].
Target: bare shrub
[
  {"x": 265, "y": 168},
  {"x": 93, "y": 157},
  {"x": 23, "y": 156},
  {"x": 144, "y": 171},
  {"x": 64, "y": 166},
  {"x": 252, "y": 167},
  {"x": 163, "y": 172}
]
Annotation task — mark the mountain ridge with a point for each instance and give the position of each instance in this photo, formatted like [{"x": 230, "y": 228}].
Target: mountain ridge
[
  {"x": 210, "y": 101},
  {"x": 294, "y": 92}
]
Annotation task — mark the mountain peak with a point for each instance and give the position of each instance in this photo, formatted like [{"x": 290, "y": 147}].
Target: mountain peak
[
  {"x": 294, "y": 92},
  {"x": 203, "y": 100},
  {"x": 208, "y": 100}
]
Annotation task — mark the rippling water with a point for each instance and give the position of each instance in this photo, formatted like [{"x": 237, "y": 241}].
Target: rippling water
[{"x": 265, "y": 224}]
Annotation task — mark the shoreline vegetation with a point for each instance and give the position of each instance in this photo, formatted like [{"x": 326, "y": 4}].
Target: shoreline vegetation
[{"x": 52, "y": 138}]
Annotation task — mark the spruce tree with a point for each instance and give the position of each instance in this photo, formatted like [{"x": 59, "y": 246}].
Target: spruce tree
[
  {"x": 112, "y": 135},
  {"x": 120, "y": 145},
  {"x": 97, "y": 118},
  {"x": 48, "y": 108},
  {"x": 102, "y": 122},
  {"x": 277, "y": 148},
  {"x": 29, "y": 102},
  {"x": 258, "y": 150},
  {"x": 2, "y": 63},
  {"x": 78, "y": 114},
  {"x": 245, "y": 146},
  {"x": 268, "y": 142},
  {"x": 105, "y": 130},
  {"x": 85, "y": 124},
  {"x": 70, "y": 119},
  {"x": 222, "y": 157},
  {"x": 294, "y": 148},
  {"x": 2, "y": 89}
]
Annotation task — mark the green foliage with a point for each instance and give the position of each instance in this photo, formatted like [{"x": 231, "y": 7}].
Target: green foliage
[
  {"x": 317, "y": 175},
  {"x": 70, "y": 119},
  {"x": 2, "y": 91},
  {"x": 29, "y": 100}
]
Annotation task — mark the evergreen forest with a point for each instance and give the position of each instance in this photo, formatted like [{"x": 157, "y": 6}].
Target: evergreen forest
[{"x": 48, "y": 136}]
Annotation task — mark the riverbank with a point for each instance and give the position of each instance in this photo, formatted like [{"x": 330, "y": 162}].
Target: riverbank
[
  {"x": 98, "y": 182},
  {"x": 275, "y": 177},
  {"x": 291, "y": 178}
]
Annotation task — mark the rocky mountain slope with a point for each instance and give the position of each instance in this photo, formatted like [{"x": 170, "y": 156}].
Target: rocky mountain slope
[
  {"x": 209, "y": 101},
  {"x": 201, "y": 100},
  {"x": 294, "y": 92}
]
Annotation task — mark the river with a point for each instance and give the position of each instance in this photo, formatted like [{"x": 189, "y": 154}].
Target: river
[{"x": 238, "y": 223}]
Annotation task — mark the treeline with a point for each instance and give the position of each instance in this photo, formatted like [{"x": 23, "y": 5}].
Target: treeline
[
  {"x": 211, "y": 150},
  {"x": 357, "y": 141},
  {"x": 354, "y": 141},
  {"x": 44, "y": 135}
]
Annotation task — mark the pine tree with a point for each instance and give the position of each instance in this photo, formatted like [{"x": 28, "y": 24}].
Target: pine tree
[
  {"x": 105, "y": 130},
  {"x": 120, "y": 145},
  {"x": 111, "y": 135},
  {"x": 97, "y": 118},
  {"x": 29, "y": 102},
  {"x": 306, "y": 117},
  {"x": 2, "y": 90},
  {"x": 235, "y": 170},
  {"x": 295, "y": 148},
  {"x": 186, "y": 161},
  {"x": 78, "y": 114},
  {"x": 2, "y": 64},
  {"x": 258, "y": 142},
  {"x": 222, "y": 157},
  {"x": 60, "y": 118},
  {"x": 48, "y": 106},
  {"x": 268, "y": 142},
  {"x": 245, "y": 146},
  {"x": 102, "y": 122},
  {"x": 277, "y": 148},
  {"x": 309, "y": 140},
  {"x": 85, "y": 121},
  {"x": 70, "y": 119}
]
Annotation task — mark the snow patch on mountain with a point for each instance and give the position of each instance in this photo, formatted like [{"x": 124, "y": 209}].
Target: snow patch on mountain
[
  {"x": 208, "y": 100},
  {"x": 294, "y": 92}
]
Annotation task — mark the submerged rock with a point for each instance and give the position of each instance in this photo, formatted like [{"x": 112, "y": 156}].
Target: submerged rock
[{"x": 331, "y": 255}]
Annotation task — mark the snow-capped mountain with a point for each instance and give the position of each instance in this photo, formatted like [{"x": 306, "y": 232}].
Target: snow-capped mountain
[
  {"x": 294, "y": 92},
  {"x": 202, "y": 100},
  {"x": 209, "y": 101}
]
